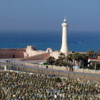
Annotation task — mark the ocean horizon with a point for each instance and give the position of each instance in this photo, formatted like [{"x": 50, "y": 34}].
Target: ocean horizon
[{"x": 77, "y": 41}]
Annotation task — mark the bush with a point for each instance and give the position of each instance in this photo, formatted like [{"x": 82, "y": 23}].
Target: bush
[{"x": 58, "y": 79}]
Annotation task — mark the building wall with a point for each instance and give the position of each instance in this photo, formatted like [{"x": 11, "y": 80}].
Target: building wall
[
  {"x": 12, "y": 53},
  {"x": 30, "y": 51},
  {"x": 55, "y": 54}
]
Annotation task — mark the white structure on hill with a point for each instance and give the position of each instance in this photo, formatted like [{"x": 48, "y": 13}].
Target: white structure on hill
[
  {"x": 32, "y": 52},
  {"x": 64, "y": 46}
]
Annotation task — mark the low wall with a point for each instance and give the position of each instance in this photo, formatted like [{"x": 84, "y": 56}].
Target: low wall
[
  {"x": 87, "y": 71},
  {"x": 67, "y": 69}
]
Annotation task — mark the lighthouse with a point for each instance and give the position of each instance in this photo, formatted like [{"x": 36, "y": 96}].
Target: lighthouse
[{"x": 64, "y": 46}]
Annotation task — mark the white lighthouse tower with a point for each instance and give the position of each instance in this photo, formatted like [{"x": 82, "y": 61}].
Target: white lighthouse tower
[{"x": 64, "y": 46}]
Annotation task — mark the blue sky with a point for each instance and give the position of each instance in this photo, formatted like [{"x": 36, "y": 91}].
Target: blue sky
[{"x": 47, "y": 15}]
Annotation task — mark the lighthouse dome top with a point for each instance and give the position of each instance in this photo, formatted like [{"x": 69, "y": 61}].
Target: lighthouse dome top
[{"x": 65, "y": 20}]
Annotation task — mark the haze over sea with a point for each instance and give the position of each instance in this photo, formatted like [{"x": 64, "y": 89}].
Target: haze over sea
[{"x": 78, "y": 41}]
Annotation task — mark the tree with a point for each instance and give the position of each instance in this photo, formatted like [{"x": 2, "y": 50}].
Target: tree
[
  {"x": 91, "y": 54},
  {"x": 62, "y": 60},
  {"x": 51, "y": 60},
  {"x": 98, "y": 52},
  {"x": 58, "y": 79},
  {"x": 84, "y": 60},
  {"x": 77, "y": 56},
  {"x": 98, "y": 66},
  {"x": 62, "y": 55},
  {"x": 70, "y": 57},
  {"x": 81, "y": 59}
]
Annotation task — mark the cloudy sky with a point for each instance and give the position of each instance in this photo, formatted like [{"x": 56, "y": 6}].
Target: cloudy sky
[{"x": 47, "y": 15}]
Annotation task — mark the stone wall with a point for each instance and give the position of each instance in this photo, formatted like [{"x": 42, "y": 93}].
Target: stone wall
[
  {"x": 31, "y": 52},
  {"x": 28, "y": 52},
  {"x": 12, "y": 53},
  {"x": 55, "y": 54},
  {"x": 67, "y": 69}
]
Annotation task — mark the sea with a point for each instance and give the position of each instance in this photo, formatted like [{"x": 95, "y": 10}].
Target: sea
[{"x": 41, "y": 40}]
